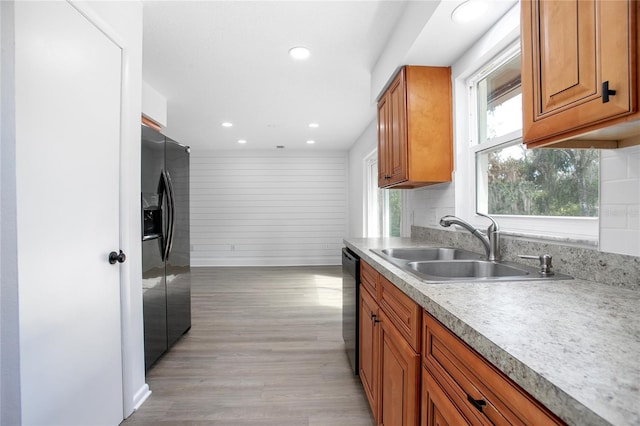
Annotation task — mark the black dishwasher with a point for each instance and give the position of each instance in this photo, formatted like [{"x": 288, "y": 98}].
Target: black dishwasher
[{"x": 350, "y": 297}]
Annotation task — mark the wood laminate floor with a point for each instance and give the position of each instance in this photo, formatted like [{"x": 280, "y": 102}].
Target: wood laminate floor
[{"x": 265, "y": 348}]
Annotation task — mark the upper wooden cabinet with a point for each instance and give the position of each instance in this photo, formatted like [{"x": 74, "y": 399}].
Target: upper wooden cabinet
[
  {"x": 415, "y": 129},
  {"x": 579, "y": 73}
]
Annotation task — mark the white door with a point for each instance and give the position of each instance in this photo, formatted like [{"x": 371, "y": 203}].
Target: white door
[{"x": 68, "y": 101}]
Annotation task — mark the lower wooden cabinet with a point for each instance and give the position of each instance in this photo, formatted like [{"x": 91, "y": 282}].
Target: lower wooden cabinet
[
  {"x": 389, "y": 365},
  {"x": 480, "y": 392},
  {"x": 399, "y": 378},
  {"x": 369, "y": 344},
  {"x": 437, "y": 408},
  {"x": 415, "y": 371}
]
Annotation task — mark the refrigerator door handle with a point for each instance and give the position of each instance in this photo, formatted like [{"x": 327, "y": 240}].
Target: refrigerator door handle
[
  {"x": 169, "y": 212},
  {"x": 172, "y": 215}
]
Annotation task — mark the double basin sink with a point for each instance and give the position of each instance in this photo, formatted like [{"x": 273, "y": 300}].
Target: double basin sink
[{"x": 444, "y": 264}]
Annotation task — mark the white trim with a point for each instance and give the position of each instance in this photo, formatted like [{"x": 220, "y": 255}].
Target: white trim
[
  {"x": 371, "y": 195},
  {"x": 90, "y": 15},
  {"x": 130, "y": 337},
  {"x": 268, "y": 261},
  {"x": 499, "y": 140},
  {"x": 140, "y": 397},
  {"x": 406, "y": 218},
  {"x": 498, "y": 44}
]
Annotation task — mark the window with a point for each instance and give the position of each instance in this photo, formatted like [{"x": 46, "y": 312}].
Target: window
[
  {"x": 529, "y": 189},
  {"x": 384, "y": 206}
]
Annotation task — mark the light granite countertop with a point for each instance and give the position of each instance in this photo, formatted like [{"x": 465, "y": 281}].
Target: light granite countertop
[{"x": 574, "y": 345}]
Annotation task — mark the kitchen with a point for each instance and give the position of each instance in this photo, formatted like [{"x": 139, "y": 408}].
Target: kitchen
[{"x": 618, "y": 229}]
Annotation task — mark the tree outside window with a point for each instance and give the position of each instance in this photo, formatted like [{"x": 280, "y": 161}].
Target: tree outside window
[{"x": 511, "y": 180}]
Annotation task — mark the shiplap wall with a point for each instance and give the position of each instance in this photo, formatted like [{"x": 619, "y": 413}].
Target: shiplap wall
[{"x": 268, "y": 207}]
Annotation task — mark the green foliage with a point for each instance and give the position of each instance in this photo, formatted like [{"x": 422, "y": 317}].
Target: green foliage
[
  {"x": 394, "y": 212},
  {"x": 544, "y": 182}
]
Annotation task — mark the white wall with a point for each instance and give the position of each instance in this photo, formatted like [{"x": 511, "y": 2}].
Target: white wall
[
  {"x": 620, "y": 201},
  {"x": 428, "y": 204},
  {"x": 154, "y": 105},
  {"x": 267, "y": 207},
  {"x": 409, "y": 26},
  {"x": 363, "y": 146},
  {"x": 10, "y": 407}
]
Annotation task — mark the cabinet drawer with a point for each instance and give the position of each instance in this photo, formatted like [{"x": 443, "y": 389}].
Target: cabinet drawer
[
  {"x": 439, "y": 410},
  {"x": 474, "y": 383},
  {"x": 403, "y": 312},
  {"x": 370, "y": 279}
]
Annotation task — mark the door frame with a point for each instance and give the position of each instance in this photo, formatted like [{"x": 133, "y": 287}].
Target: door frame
[{"x": 135, "y": 390}]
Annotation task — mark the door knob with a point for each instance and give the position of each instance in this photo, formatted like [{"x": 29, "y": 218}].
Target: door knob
[{"x": 117, "y": 257}]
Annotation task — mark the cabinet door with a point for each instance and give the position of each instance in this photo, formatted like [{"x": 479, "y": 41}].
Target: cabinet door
[
  {"x": 383, "y": 141},
  {"x": 399, "y": 378},
  {"x": 569, "y": 51},
  {"x": 369, "y": 347},
  {"x": 397, "y": 145}
]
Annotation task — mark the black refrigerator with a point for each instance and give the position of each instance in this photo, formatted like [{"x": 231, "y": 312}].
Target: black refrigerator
[{"x": 166, "y": 271}]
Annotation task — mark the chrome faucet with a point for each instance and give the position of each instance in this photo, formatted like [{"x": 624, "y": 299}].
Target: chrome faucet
[{"x": 491, "y": 241}]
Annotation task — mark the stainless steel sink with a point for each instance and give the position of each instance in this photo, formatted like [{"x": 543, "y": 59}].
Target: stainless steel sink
[
  {"x": 446, "y": 264},
  {"x": 468, "y": 269},
  {"x": 426, "y": 253}
]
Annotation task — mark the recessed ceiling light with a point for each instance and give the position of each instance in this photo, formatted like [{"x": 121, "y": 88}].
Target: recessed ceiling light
[
  {"x": 311, "y": 142},
  {"x": 299, "y": 52},
  {"x": 469, "y": 11},
  {"x": 227, "y": 124},
  {"x": 242, "y": 141},
  {"x": 314, "y": 125}
]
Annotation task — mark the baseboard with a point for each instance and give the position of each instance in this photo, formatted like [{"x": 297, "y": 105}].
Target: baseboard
[
  {"x": 266, "y": 261},
  {"x": 140, "y": 397}
]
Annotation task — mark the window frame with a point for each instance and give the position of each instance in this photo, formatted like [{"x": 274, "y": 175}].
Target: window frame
[
  {"x": 375, "y": 222},
  {"x": 583, "y": 231},
  {"x": 371, "y": 227}
]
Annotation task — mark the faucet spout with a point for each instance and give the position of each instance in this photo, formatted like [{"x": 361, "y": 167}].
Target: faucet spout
[
  {"x": 491, "y": 241},
  {"x": 493, "y": 233}
]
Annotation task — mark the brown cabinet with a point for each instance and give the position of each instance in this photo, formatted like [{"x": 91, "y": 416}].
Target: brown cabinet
[
  {"x": 481, "y": 394},
  {"x": 370, "y": 278},
  {"x": 415, "y": 128},
  {"x": 438, "y": 409},
  {"x": 369, "y": 344},
  {"x": 389, "y": 363},
  {"x": 579, "y": 73},
  {"x": 399, "y": 377}
]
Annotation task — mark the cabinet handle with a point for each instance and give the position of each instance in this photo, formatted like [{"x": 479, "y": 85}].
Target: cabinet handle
[
  {"x": 478, "y": 403},
  {"x": 374, "y": 317},
  {"x": 606, "y": 92}
]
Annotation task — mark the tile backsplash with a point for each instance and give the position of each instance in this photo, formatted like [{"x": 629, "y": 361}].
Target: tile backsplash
[
  {"x": 589, "y": 264},
  {"x": 620, "y": 201}
]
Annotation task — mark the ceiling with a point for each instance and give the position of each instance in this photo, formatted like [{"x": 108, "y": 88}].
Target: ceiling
[{"x": 218, "y": 61}]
